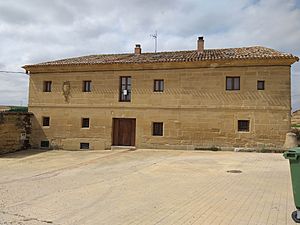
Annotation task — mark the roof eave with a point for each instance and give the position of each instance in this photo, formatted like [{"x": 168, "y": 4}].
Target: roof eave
[{"x": 79, "y": 67}]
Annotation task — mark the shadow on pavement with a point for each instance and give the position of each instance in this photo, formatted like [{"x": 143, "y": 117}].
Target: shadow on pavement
[{"x": 23, "y": 153}]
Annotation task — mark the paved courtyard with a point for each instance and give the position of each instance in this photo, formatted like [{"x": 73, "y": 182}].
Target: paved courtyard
[{"x": 144, "y": 187}]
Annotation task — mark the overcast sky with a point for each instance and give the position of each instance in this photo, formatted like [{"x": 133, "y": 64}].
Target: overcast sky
[{"x": 33, "y": 31}]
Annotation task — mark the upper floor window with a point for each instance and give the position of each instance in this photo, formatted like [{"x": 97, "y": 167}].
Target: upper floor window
[
  {"x": 158, "y": 85},
  {"x": 87, "y": 86},
  {"x": 85, "y": 122},
  {"x": 260, "y": 85},
  {"x": 232, "y": 83},
  {"x": 125, "y": 89},
  {"x": 243, "y": 125},
  {"x": 47, "y": 86}
]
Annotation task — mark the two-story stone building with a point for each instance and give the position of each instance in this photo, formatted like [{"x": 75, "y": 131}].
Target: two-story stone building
[{"x": 234, "y": 97}]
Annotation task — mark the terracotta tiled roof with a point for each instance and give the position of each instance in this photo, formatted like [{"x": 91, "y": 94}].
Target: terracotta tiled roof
[{"x": 256, "y": 52}]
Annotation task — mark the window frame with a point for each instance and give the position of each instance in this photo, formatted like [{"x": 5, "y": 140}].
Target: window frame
[
  {"x": 84, "y": 143},
  {"x": 44, "y": 119},
  {"x": 233, "y": 88},
  {"x": 87, "y": 86},
  {"x": 160, "y": 87},
  {"x": 157, "y": 131},
  {"x": 83, "y": 120},
  {"x": 47, "y": 86},
  {"x": 263, "y": 85},
  {"x": 127, "y": 86},
  {"x": 241, "y": 128}
]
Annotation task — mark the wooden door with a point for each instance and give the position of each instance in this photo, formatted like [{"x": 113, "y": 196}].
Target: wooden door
[{"x": 123, "y": 132}]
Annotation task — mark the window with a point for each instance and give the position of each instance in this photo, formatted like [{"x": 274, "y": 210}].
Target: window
[
  {"x": 157, "y": 129},
  {"x": 158, "y": 85},
  {"x": 260, "y": 85},
  {"x": 125, "y": 89},
  {"x": 47, "y": 86},
  {"x": 87, "y": 86},
  {"x": 46, "y": 121},
  {"x": 44, "y": 144},
  {"x": 232, "y": 83},
  {"x": 85, "y": 122},
  {"x": 243, "y": 125},
  {"x": 84, "y": 145}
]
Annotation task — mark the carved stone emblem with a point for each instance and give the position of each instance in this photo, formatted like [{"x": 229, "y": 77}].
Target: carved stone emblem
[{"x": 66, "y": 88}]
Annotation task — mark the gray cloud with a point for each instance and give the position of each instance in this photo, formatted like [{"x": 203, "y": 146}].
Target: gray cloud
[{"x": 42, "y": 30}]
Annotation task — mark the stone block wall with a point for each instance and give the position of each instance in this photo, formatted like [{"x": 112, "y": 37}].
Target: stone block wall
[
  {"x": 296, "y": 118},
  {"x": 15, "y": 130},
  {"x": 195, "y": 108},
  {"x": 183, "y": 128}
]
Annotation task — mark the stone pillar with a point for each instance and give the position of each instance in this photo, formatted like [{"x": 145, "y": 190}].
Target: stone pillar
[{"x": 290, "y": 141}]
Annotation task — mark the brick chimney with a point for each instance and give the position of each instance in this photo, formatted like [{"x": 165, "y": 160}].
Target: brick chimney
[
  {"x": 137, "y": 49},
  {"x": 200, "y": 45}
]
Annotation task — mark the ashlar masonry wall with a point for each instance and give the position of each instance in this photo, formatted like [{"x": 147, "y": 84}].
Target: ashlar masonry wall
[
  {"x": 195, "y": 107},
  {"x": 15, "y": 130}
]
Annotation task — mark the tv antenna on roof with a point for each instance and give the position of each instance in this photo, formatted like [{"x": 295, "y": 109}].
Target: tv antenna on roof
[{"x": 155, "y": 39}]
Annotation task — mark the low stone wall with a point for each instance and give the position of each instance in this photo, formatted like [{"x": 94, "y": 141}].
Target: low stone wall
[
  {"x": 295, "y": 120},
  {"x": 4, "y": 108},
  {"x": 15, "y": 130}
]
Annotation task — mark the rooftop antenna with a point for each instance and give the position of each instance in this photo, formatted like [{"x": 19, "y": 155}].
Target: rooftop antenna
[{"x": 155, "y": 39}]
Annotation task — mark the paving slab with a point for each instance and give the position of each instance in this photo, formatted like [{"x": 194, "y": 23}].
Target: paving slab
[{"x": 145, "y": 187}]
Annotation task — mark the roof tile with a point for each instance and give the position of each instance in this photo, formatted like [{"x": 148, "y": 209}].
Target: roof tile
[{"x": 256, "y": 52}]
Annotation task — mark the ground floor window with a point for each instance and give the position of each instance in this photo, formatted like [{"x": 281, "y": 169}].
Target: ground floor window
[
  {"x": 46, "y": 121},
  {"x": 85, "y": 122},
  {"x": 44, "y": 144},
  {"x": 243, "y": 125},
  {"x": 157, "y": 128},
  {"x": 84, "y": 145}
]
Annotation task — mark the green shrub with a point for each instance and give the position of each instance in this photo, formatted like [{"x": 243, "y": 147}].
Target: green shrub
[{"x": 18, "y": 109}]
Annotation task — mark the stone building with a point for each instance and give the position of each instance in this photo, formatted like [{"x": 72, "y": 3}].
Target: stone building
[{"x": 234, "y": 97}]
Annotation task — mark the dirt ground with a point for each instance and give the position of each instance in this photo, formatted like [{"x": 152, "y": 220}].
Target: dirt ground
[{"x": 144, "y": 187}]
